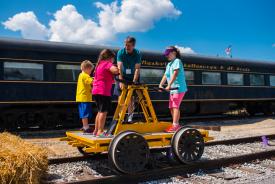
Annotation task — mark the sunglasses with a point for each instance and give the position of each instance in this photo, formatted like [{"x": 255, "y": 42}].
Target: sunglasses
[{"x": 167, "y": 52}]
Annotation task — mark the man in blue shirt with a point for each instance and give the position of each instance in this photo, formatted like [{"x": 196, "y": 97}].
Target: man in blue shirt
[{"x": 128, "y": 62}]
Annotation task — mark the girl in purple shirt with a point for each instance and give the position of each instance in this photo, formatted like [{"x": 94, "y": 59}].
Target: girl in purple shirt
[{"x": 102, "y": 86}]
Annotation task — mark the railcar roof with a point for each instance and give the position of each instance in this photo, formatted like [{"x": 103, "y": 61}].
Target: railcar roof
[{"x": 37, "y": 45}]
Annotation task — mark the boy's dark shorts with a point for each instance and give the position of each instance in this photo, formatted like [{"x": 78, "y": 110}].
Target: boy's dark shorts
[
  {"x": 85, "y": 110},
  {"x": 103, "y": 103}
]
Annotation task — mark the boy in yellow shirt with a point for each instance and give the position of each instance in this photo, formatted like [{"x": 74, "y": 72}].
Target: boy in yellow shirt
[{"x": 84, "y": 95}]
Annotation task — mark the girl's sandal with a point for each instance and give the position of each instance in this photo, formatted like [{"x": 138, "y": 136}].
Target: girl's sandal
[
  {"x": 94, "y": 134},
  {"x": 104, "y": 135}
]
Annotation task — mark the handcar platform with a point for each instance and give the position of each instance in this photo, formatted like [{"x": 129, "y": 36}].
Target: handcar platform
[
  {"x": 92, "y": 144},
  {"x": 130, "y": 144}
]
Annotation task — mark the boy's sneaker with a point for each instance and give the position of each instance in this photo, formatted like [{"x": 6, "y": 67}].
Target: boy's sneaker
[
  {"x": 87, "y": 131},
  {"x": 173, "y": 128}
]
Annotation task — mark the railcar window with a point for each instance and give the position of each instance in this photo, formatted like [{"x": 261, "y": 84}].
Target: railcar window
[
  {"x": 23, "y": 71},
  {"x": 211, "y": 78},
  {"x": 151, "y": 76},
  {"x": 256, "y": 80},
  {"x": 189, "y": 76},
  {"x": 272, "y": 80},
  {"x": 235, "y": 79},
  {"x": 66, "y": 72}
]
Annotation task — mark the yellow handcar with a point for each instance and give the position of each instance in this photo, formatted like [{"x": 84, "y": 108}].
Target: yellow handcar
[{"x": 129, "y": 148}]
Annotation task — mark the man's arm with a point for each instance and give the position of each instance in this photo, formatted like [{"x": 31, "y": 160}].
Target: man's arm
[
  {"x": 137, "y": 71},
  {"x": 120, "y": 69},
  {"x": 120, "y": 64},
  {"x": 120, "y": 76}
]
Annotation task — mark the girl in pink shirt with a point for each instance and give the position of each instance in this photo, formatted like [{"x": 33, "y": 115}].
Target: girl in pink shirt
[{"x": 102, "y": 86}]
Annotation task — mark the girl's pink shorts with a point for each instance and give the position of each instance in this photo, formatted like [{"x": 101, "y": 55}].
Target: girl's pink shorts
[{"x": 175, "y": 100}]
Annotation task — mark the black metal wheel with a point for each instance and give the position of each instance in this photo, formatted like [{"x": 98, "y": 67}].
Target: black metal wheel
[
  {"x": 49, "y": 121},
  {"x": 187, "y": 145},
  {"x": 129, "y": 152}
]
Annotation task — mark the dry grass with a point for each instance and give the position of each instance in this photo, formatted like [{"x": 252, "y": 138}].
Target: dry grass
[{"x": 21, "y": 162}]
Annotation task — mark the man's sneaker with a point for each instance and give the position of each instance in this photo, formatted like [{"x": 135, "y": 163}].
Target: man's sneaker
[
  {"x": 173, "y": 128},
  {"x": 130, "y": 118},
  {"x": 87, "y": 131}
]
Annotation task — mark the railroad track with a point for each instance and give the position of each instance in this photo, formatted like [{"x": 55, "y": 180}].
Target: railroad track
[
  {"x": 76, "y": 159},
  {"x": 174, "y": 170}
]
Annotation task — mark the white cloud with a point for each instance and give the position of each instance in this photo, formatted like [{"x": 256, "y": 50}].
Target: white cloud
[
  {"x": 28, "y": 25},
  {"x": 68, "y": 25},
  {"x": 185, "y": 50},
  {"x": 136, "y": 15}
]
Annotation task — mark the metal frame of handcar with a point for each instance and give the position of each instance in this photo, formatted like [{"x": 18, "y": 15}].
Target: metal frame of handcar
[{"x": 129, "y": 148}]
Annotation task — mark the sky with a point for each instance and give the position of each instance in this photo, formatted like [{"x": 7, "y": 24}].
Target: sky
[{"x": 204, "y": 27}]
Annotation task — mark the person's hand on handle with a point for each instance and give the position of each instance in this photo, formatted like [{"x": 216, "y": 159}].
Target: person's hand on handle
[
  {"x": 163, "y": 80},
  {"x": 168, "y": 87},
  {"x": 135, "y": 81},
  {"x": 160, "y": 88},
  {"x": 121, "y": 85}
]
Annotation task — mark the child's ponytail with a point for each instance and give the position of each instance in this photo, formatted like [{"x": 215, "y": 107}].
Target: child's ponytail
[{"x": 105, "y": 54}]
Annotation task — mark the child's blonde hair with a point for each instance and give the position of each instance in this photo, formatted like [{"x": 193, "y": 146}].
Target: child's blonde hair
[{"x": 86, "y": 64}]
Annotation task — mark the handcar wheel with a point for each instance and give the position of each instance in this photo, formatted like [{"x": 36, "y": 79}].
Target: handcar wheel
[
  {"x": 129, "y": 152},
  {"x": 187, "y": 145}
]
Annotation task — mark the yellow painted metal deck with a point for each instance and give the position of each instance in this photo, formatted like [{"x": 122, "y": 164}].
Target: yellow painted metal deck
[{"x": 93, "y": 144}]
